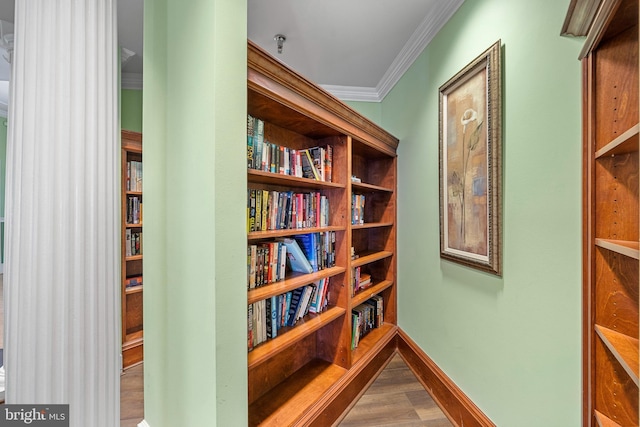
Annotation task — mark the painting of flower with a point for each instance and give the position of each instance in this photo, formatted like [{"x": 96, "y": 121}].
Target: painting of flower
[{"x": 470, "y": 164}]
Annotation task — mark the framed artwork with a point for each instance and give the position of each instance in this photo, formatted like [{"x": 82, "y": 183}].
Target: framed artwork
[{"x": 471, "y": 164}]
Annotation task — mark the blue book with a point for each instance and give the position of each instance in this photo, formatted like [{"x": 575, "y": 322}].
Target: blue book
[
  {"x": 286, "y": 308},
  {"x": 308, "y": 244},
  {"x": 296, "y": 297},
  {"x": 274, "y": 316},
  {"x": 296, "y": 258}
]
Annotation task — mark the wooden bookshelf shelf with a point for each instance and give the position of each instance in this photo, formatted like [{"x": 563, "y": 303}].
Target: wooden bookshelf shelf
[
  {"x": 273, "y": 234},
  {"x": 365, "y": 294},
  {"x": 131, "y": 266},
  {"x": 371, "y": 225},
  {"x": 368, "y": 258},
  {"x": 624, "y": 348},
  {"x": 256, "y": 176},
  {"x": 374, "y": 338},
  {"x": 624, "y": 247},
  {"x": 603, "y": 421},
  {"x": 292, "y": 335},
  {"x": 284, "y": 404},
  {"x": 361, "y": 186},
  {"x": 294, "y": 281},
  {"x": 610, "y": 212},
  {"x": 625, "y": 143},
  {"x": 308, "y": 374},
  {"x": 133, "y": 289}
]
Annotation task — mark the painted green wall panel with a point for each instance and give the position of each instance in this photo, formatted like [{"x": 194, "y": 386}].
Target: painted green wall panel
[
  {"x": 131, "y": 109},
  {"x": 512, "y": 343},
  {"x": 194, "y": 133},
  {"x": 371, "y": 110}
]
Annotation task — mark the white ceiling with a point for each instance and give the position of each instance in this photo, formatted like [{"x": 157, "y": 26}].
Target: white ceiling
[{"x": 356, "y": 49}]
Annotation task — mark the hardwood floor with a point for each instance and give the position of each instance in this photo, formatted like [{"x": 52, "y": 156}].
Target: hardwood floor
[
  {"x": 132, "y": 396},
  {"x": 395, "y": 398}
]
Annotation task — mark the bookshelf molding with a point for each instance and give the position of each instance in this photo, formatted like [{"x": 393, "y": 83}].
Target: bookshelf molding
[
  {"x": 309, "y": 373},
  {"x": 611, "y": 230},
  {"x": 132, "y": 332}
]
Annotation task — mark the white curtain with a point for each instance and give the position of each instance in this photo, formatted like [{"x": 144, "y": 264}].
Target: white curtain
[{"x": 62, "y": 272}]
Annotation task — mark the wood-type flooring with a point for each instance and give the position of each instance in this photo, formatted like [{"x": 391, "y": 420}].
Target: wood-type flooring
[{"x": 396, "y": 398}]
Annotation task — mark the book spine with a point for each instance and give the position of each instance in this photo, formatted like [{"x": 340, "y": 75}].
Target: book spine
[{"x": 250, "y": 338}]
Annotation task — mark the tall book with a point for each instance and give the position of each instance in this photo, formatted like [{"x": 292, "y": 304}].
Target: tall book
[{"x": 297, "y": 260}]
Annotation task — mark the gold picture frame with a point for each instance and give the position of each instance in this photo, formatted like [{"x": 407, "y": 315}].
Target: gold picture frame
[{"x": 471, "y": 164}]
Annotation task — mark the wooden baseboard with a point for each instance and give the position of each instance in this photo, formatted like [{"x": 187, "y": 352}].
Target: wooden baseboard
[{"x": 460, "y": 410}]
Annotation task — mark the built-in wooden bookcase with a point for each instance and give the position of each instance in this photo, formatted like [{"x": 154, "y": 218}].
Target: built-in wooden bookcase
[
  {"x": 131, "y": 280},
  {"x": 611, "y": 214},
  {"x": 309, "y": 373}
]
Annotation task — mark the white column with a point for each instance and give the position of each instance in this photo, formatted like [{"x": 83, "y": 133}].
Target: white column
[{"x": 61, "y": 274}]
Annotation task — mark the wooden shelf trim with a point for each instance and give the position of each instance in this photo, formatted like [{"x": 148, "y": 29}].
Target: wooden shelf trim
[
  {"x": 133, "y": 258},
  {"x": 369, "y": 258},
  {"x": 133, "y": 289},
  {"x": 376, "y": 337},
  {"x": 604, "y": 421},
  {"x": 625, "y": 247},
  {"x": 271, "y": 234},
  {"x": 295, "y": 396},
  {"x": 133, "y": 225},
  {"x": 625, "y": 143},
  {"x": 365, "y": 186},
  {"x": 294, "y": 282},
  {"x": 133, "y": 193},
  {"x": 623, "y": 347},
  {"x": 132, "y": 340},
  {"x": 303, "y": 328},
  {"x": 372, "y": 225},
  {"x": 365, "y": 294},
  {"x": 262, "y": 177}
]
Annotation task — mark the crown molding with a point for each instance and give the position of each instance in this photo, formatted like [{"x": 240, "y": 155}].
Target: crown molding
[
  {"x": 353, "y": 93},
  {"x": 418, "y": 41},
  {"x": 131, "y": 81}
]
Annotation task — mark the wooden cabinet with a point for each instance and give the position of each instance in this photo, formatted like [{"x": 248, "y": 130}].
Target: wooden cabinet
[
  {"x": 131, "y": 250},
  {"x": 610, "y": 214},
  {"x": 308, "y": 374}
]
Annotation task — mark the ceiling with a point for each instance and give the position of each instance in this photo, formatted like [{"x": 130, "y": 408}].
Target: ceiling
[{"x": 356, "y": 49}]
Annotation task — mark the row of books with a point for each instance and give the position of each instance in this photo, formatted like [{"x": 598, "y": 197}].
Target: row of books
[
  {"x": 132, "y": 243},
  {"x": 366, "y": 317},
  {"x": 276, "y": 210},
  {"x": 134, "y": 176},
  {"x": 357, "y": 209},
  {"x": 313, "y": 163},
  {"x": 359, "y": 280},
  {"x": 266, "y": 317},
  {"x": 269, "y": 262},
  {"x": 134, "y": 210},
  {"x": 266, "y": 263},
  {"x": 130, "y": 282}
]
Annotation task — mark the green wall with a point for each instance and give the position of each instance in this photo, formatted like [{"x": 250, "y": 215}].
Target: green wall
[
  {"x": 512, "y": 344},
  {"x": 371, "y": 110},
  {"x": 194, "y": 125},
  {"x": 131, "y": 109}
]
